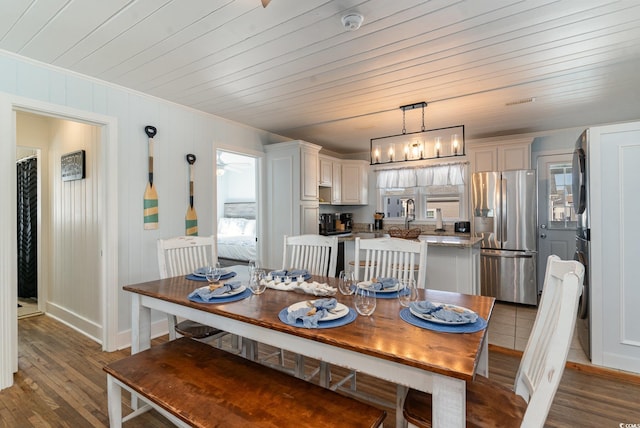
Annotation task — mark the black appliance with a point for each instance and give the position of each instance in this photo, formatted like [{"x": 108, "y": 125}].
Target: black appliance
[
  {"x": 377, "y": 221},
  {"x": 462, "y": 227},
  {"x": 327, "y": 224},
  {"x": 347, "y": 220},
  {"x": 580, "y": 183}
]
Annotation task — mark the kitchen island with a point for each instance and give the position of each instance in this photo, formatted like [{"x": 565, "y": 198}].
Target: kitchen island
[{"x": 453, "y": 261}]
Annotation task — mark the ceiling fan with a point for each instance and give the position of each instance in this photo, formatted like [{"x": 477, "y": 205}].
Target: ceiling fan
[
  {"x": 234, "y": 165},
  {"x": 265, "y": 3}
]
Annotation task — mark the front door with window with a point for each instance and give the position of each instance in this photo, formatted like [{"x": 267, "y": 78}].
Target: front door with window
[{"x": 556, "y": 216}]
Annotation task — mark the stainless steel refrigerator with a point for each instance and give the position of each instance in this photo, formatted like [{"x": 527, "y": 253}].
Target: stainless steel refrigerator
[{"x": 504, "y": 216}]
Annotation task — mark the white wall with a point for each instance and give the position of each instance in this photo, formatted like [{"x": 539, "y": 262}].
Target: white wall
[{"x": 180, "y": 130}]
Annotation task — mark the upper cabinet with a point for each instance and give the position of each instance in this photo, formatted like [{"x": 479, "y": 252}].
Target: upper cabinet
[
  {"x": 504, "y": 156},
  {"x": 355, "y": 183},
  {"x": 326, "y": 171},
  {"x": 343, "y": 182},
  {"x": 309, "y": 172}
]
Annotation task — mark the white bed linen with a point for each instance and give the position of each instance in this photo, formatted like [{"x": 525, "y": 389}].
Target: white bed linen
[{"x": 237, "y": 247}]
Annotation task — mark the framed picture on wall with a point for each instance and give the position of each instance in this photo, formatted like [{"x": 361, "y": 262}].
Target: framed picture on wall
[{"x": 72, "y": 166}]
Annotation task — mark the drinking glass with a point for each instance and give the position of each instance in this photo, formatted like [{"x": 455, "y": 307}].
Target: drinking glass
[
  {"x": 252, "y": 266},
  {"x": 257, "y": 285},
  {"x": 407, "y": 292},
  {"x": 213, "y": 273},
  {"x": 346, "y": 282},
  {"x": 365, "y": 300}
]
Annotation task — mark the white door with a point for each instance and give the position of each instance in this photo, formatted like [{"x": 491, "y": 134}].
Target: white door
[{"x": 556, "y": 216}]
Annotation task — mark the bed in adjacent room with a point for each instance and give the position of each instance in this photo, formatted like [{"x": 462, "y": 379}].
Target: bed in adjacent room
[{"x": 237, "y": 231}]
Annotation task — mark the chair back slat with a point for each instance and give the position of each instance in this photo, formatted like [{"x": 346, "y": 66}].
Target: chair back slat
[
  {"x": 184, "y": 254},
  {"x": 316, "y": 253},
  {"x": 391, "y": 258},
  {"x": 546, "y": 352}
]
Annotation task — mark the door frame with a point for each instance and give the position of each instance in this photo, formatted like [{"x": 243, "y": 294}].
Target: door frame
[{"x": 108, "y": 200}]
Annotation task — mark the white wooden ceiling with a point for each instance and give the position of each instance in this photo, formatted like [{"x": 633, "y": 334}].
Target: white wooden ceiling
[{"x": 294, "y": 70}]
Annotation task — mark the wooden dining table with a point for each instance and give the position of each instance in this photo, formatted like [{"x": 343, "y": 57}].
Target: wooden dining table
[{"x": 381, "y": 345}]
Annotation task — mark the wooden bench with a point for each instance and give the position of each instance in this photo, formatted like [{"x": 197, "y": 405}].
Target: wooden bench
[{"x": 194, "y": 384}]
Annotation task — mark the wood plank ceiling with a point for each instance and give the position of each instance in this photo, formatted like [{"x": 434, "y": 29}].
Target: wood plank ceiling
[{"x": 293, "y": 69}]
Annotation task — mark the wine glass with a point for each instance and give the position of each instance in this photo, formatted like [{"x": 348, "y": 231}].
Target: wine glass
[
  {"x": 346, "y": 282},
  {"x": 407, "y": 292},
  {"x": 365, "y": 300},
  {"x": 257, "y": 284},
  {"x": 213, "y": 273}
]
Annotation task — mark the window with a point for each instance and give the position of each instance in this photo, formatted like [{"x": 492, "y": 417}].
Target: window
[
  {"x": 430, "y": 188},
  {"x": 560, "y": 203}
]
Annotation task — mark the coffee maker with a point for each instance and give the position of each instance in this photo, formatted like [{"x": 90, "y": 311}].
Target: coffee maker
[
  {"x": 327, "y": 224},
  {"x": 347, "y": 220},
  {"x": 377, "y": 221}
]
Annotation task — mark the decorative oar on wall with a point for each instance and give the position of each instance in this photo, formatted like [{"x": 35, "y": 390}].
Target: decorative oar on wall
[
  {"x": 150, "y": 193},
  {"x": 191, "y": 219}
]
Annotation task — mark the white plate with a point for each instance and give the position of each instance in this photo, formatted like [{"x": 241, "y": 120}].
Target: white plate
[
  {"x": 340, "y": 310},
  {"x": 230, "y": 293},
  {"x": 384, "y": 290},
  {"x": 431, "y": 318}
]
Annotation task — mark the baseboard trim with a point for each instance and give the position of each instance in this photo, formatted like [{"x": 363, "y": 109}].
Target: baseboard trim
[{"x": 585, "y": 368}]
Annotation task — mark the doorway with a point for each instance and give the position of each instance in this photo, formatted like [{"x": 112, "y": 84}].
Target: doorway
[
  {"x": 27, "y": 231},
  {"x": 556, "y": 216},
  {"x": 237, "y": 206}
]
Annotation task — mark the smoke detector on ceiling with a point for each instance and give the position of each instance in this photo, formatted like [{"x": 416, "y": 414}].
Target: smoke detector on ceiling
[{"x": 352, "y": 21}]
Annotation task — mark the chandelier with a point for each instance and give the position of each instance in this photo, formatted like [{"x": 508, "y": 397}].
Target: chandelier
[{"x": 421, "y": 145}]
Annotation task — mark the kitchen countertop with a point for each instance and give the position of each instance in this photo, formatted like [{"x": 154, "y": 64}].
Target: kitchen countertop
[{"x": 464, "y": 241}]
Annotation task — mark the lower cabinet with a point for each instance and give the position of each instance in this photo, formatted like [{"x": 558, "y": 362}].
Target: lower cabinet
[{"x": 449, "y": 268}]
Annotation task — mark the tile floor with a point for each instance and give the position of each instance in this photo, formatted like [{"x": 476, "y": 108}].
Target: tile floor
[{"x": 510, "y": 327}]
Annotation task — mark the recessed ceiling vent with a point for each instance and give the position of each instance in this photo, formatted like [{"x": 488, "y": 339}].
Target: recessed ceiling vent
[{"x": 522, "y": 101}]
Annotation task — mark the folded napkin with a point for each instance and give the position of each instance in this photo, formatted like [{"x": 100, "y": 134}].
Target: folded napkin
[
  {"x": 383, "y": 283},
  {"x": 311, "y": 315},
  {"x": 443, "y": 312},
  {"x": 207, "y": 293}
]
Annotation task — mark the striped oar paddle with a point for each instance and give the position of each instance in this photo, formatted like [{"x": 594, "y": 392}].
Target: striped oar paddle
[
  {"x": 191, "y": 219},
  {"x": 150, "y": 194}
]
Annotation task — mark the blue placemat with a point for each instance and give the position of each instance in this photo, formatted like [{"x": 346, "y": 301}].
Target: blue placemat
[
  {"x": 246, "y": 293},
  {"x": 350, "y": 317},
  {"x": 227, "y": 275},
  {"x": 473, "y": 327}
]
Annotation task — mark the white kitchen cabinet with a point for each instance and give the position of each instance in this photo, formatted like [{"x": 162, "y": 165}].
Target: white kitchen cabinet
[
  {"x": 347, "y": 184},
  {"x": 507, "y": 155},
  {"x": 336, "y": 190},
  {"x": 450, "y": 267},
  {"x": 613, "y": 158},
  {"x": 355, "y": 183},
  {"x": 291, "y": 195},
  {"x": 326, "y": 171},
  {"x": 455, "y": 269}
]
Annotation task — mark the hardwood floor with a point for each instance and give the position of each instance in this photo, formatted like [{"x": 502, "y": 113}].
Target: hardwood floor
[{"x": 60, "y": 383}]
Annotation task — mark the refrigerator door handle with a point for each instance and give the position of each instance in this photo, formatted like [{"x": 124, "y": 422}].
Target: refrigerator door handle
[{"x": 503, "y": 202}]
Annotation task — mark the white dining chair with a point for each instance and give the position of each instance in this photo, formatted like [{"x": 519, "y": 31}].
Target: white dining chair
[
  {"x": 319, "y": 255},
  {"x": 385, "y": 258},
  {"x": 181, "y": 256},
  {"x": 391, "y": 258},
  {"x": 316, "y": 253},
  {"x": 527, "y": 404}
]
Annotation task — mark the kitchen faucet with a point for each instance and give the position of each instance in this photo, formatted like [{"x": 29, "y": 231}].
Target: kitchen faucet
[{"x": 411, "y": 212}]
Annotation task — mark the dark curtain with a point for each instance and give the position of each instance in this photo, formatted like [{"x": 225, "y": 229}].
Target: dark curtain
[{"x": 27, "y": 228}]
